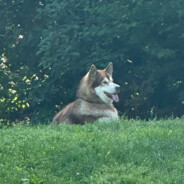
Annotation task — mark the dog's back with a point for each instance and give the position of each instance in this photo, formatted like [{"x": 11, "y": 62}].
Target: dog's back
[{"x": 81, "y": 111}]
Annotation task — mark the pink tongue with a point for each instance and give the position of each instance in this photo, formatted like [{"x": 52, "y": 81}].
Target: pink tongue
[{"x": 115, "y": 98}]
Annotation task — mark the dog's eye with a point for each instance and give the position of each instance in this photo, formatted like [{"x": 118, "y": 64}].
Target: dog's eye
[{"x": 104, "y": 82}]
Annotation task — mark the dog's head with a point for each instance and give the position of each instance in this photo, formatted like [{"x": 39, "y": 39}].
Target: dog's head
[{"x": 103, "y": 85}]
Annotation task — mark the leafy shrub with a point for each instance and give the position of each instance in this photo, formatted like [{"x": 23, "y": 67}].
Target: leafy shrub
[{"x": 49, "y": 45}]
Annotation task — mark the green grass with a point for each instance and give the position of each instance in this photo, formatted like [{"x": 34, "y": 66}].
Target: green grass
[{"x": 124, "y": 152}]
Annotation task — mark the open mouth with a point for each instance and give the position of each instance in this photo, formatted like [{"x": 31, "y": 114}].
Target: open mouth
[{"x": 114, "y": 96}]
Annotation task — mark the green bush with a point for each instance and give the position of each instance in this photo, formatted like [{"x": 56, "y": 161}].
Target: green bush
[{"x": 49, "y": 45}]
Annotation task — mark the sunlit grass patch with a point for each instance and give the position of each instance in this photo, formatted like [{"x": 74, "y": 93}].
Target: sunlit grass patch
[{"x": 124, "y": 151}]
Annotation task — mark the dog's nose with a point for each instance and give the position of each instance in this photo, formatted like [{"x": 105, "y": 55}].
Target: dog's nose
[{"x": 118, "y": 89}]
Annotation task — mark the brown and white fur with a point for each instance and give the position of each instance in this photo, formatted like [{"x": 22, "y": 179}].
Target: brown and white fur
[{"x": 95, "y": 95}]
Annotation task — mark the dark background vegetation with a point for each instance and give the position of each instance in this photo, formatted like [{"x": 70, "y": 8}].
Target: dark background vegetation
[{"x": 46, "y": 47}]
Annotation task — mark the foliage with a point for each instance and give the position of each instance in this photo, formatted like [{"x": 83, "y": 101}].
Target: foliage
[
  {"x": 20, "y": 76},
  {"x": 114, "y": 152},
  {"x": 47, "y": 46}
]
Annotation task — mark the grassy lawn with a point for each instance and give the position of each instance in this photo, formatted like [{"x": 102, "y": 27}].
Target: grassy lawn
[{"x": 123, "y": 152}]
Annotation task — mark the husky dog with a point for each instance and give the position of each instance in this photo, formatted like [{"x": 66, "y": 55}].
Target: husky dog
[{"x": 95, "y": 95}]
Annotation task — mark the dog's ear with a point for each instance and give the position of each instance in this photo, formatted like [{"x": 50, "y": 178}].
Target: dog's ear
[
  {"x": 93, "y": 72},
  {"x": 109, "y": 68}
]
